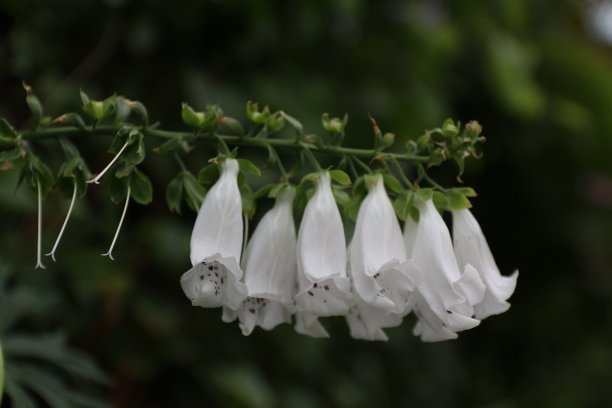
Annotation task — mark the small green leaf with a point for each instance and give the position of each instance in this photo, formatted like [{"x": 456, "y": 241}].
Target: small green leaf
[
  {"x": 415, "y": 214},
  {"x": 195, "y": 192},
  {"x": 34, "y": 105},
  {"x": 11, "y": 154},
  {"x": 140, "y": 187},
  {"x": 174, "y": 194},
  {"x": 296, "y": 124},
  {"x": 118, "y": 189},
  {"x": 457, "y": 201},
  {"x": 393, "y": 183},
  {"x": 169, "y": 145},
  {"x": 6, "y": 130},
  {"x": 209, "y": 174},
  {"x": 340, "y": 177},
  {"x": 249, "y": 167}
]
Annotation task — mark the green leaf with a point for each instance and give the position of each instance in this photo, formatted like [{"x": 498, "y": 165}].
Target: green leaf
[
  {"x": 402, "y": 204},
  {"x": 34, "y": 104},
  {"x": 248, "y": 166},
  {"x": 124, "y": 170},
  {"x": 393, "y": 183},
  {"x": 40, "y": 173},
  {"x": 209, "y": 174},
  {"x": 248, "y": 198},
  {"x": 296, "y": 124},
  {"x": 340, "y": 177},
  {"x": 135, "y": 152},
  {"x": 6, "y": 130},
  {"x": 169, "y": 145},
  {"x": 359, "y": 188},
  {"x": 195, "y": 192},
  {"x": 174, "y": 194},
  {"x": 457, "y": 200},
  {"x": 341, "y": 197},
  {"x": 118, "y": 189},
  {"x": 70, "y": 150},
  {"x": 140, "y": 187},
  {"x": 11, "y": 154}
]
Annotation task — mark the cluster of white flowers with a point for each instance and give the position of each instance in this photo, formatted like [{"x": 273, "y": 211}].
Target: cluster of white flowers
[{"x": 450, "y": 285}]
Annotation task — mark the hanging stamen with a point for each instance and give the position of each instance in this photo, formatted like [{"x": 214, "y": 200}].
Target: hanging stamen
[
  {"x": 96, "y": 180},
  {"x": 59, "y": 237},
  {"x": 109, "y": 253},
  {"x": 39, "y": 263}
]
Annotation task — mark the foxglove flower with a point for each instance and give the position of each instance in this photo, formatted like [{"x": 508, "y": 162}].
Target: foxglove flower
[
  {"x": 270, "y": 269},
  {"x": 471, "y": 248},
  {"x": 445, "y": 297},
  {"x": 323, "y": 285},
  {"x": 216, "y": 245}
]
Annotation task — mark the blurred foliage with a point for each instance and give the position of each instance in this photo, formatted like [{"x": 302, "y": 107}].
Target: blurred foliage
[{"x": 532, "y": 73}]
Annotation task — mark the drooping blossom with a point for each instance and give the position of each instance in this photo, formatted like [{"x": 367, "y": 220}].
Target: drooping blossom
[
  {"x": 445, "y": 296},
  {"x": 323, "y": 285},
  {"x": 216, "y": 246},
  {"x": 471, "y": 248},
  {"x": 270, "y": 269}
]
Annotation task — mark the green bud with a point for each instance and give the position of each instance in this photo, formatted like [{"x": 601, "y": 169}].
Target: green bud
[
  {"x": 473, "y": 129},
  {"x": 275, "y": 122},
  {"x": 334, "y": 125},
  {"x": 34, "y": 104},
  {"x": 388, "y": 139},
  {"x": 449, "y": 128},
  {"x": 254, "y": 115}
]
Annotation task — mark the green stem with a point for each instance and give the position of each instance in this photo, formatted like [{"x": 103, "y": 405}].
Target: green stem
[
  {"x": 361, "y": 164},
  {"x": 399, "y": 169},
  {"x": 227, "y": 139},
  {"x": 311, "y": 158},
  {"x": 425, "y": 176}
]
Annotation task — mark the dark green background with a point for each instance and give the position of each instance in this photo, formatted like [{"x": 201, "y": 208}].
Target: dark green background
[{"x": 531, "y": 72}]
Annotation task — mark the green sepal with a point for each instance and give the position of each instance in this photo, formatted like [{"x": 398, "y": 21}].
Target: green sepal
[
  {"x": 341, "y": 196},
  {"x": 276, "y": 189},
  {"x": 457, "y": 200},
  {"x": 450, "y": 129},
  {"x": 248, "y": 198},
  {"x": 191, "y": 117},
  {"x": 194, "y": 191},
  {"x": 340, "y": 177},
  {"x": 98, "y": 110},
  {"x": 275, "y": 122},
  {"x": 255, "y": 115},
  {"x": 141, "y": 189},
  {"x": 232, "y": 124},
  {"x": 351, "y": 207},
  {"x": 174, "y": 194},
  {"x": 440, "y": 201},
  {"x": 169, "y": 145},
  {"x": 415, "y": 214},
  {"x": 466, "y": 191},
  {"x": 360, "y": 188},
  {"x": 335, "y": 124},
  {"x": 403, "y": 203},
  {"x": 392, "y": 183},
  {"x": 34, "y": 104},
  {"x": 248, "y": 167},
  {"x": 208, "y": 175},
  {"x": 40, "y": 173},
  {"x": 424, "y": 194}
]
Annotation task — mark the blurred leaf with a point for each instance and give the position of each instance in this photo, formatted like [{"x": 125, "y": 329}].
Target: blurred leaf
[{"x": 141, "y": 189}]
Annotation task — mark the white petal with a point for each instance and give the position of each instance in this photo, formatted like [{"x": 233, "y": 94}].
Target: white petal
[
  {"x": 471, "y": 248},
  {"x": 214, "y": 282},
  {"x": 270, "y": 260},
  {"x": 366, "y": 322},
  {"x": 321, "y": 243},
  {"x": 258, "y": 312},
  {"x": 328, "y": 297},
  {"x": 218, "y": 227},
  {"x": 443, "y": 298},
  {"x": 308, "y": 324}
]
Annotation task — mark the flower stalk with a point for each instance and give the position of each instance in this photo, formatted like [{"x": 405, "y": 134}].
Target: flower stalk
[
  {"x": 39, "y": 263},
  {"x": 109, "y": 253},
  {"x": 59, "y": 237}
]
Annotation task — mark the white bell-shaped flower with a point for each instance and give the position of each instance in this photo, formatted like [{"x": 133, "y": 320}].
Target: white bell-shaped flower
[
  {"x": 216, "y": 245},
  {"x": 270, "y": 269},
  {"x": 367, "y": 322},
  {"x": 471, "y": 248},
  {"x": 378, "y": 259},
  {"x": 445, "y": 297},
  {"x": 323, "y": 286}
]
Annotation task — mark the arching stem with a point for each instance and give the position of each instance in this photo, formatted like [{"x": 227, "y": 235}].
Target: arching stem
[
  {"x": 59, "y": 237},
  {"x": 109, "y": 253},
  {"x": 96, "y": 180}
]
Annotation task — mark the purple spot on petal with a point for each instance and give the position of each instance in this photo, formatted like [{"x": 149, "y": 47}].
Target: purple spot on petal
[
  {"x": 252, "y": 311},
  {"x": 310, "y": 293}
]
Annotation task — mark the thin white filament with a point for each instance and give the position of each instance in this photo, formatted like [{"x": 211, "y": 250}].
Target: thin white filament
[
  {"x": 110, "y": 250},
  {"x": 96, "y": 180},
  {"x": 59, "y": 237},
  {"x": 39, "y": 263}
]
